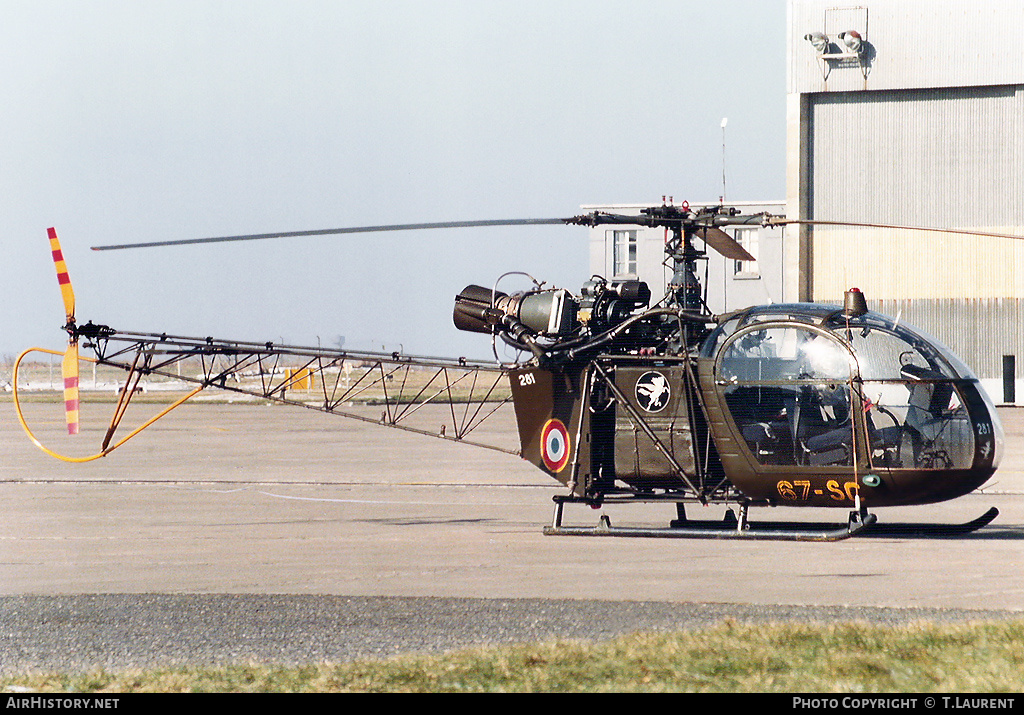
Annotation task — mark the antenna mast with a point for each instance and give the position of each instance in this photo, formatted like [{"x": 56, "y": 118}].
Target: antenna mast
[{"x": 725, "y": 120}]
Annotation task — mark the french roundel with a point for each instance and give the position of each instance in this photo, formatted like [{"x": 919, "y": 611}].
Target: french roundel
[{"x": 554, "y": 445}]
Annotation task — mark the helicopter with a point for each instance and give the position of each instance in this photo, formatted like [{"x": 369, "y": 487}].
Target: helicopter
[{"x": 625, "y": 401}]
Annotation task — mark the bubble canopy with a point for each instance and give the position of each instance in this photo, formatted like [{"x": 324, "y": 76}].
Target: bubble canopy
[
  {"x": 800, "y": 382},
  {"x": 873, "y": 346}
]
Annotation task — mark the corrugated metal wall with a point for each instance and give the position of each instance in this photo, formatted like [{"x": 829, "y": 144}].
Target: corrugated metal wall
[
  {"x": 978, "y": 331},
  {"x": 937, "y": 157},
  {"x": 925, "y": 127},
  {"x": 909, "y": 43}
]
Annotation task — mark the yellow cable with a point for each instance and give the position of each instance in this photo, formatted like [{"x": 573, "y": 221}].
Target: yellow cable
[{"x": 24, "y": 424}]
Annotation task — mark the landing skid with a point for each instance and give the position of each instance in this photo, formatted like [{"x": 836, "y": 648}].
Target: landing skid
[
  {"x": 859, "y": 524},
  {"x": 925, "y": 530},
  {"x": 933, "y": 529},
  {"x": 729, "y": 528}
]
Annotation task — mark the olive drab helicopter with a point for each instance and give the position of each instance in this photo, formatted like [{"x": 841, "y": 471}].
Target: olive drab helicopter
[{"x": 624, "y": 401}]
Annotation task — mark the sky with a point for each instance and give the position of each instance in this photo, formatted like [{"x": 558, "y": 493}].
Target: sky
[{"x": 126, "y": 121}]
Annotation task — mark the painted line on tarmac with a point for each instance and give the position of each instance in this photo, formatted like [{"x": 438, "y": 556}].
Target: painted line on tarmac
[{"x": 263, "y": 482}]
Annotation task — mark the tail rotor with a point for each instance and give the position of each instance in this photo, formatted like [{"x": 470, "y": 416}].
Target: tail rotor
[{"x": 69, "y": 366}]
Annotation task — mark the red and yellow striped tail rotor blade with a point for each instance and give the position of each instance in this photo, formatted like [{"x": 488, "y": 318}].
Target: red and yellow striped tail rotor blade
[
  {"x": 69, "y": 368},
  {"x": 67, "y": 293}
]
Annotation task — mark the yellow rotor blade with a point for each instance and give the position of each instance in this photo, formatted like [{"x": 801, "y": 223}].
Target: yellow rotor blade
[
  {"x": 69, "y": 368},
  {"x": 62, "y": 275}
]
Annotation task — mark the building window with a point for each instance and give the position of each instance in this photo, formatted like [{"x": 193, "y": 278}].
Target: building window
[
  {"x": 623, "y": 253},
  {"x": 748, "y": 238}
]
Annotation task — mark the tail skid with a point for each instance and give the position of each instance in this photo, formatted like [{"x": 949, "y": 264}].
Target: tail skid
[{"x": 106, "y": 448}]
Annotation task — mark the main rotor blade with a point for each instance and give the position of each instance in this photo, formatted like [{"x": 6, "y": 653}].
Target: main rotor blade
[
  {"x": 780, "y": 221},
  {"x": 723, "y": 243},
  {"x": 334, "y": 231}
]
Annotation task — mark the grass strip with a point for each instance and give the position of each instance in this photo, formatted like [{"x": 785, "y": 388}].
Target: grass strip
[{"x": 731, "y": 657}]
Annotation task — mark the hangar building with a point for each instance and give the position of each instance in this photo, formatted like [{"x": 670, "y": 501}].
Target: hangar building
[{"x": 921, "y": 124}]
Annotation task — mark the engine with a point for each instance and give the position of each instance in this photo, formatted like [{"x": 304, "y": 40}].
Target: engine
[{"x": 552, "y": 322}]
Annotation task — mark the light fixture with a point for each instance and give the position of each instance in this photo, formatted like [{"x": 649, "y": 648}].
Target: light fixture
[
  {"x": 853, "y": 41},
  {"x": 819, "y": 40}
]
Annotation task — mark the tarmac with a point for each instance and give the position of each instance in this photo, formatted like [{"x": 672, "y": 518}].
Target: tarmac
[{"x": 266, "y": 502}]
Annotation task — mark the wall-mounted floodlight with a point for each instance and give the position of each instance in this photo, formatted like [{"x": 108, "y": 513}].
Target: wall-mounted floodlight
[
  {"x": 850, "y": 49},
  {"x": 853, "y": 41},
  {"x": 819, "y": 40}
]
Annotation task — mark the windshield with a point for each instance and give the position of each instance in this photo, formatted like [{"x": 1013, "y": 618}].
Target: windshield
[
  {"x": 882, "y": 345},
  {"x": 886, "y": 350},
  {"x": 785, "y": 353}
]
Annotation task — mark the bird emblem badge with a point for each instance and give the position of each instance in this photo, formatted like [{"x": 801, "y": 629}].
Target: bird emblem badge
[{"x": 653, "y": 391}]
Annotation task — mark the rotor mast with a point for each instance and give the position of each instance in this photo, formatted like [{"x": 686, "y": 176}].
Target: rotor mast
[{"x": 685, "y": 290}]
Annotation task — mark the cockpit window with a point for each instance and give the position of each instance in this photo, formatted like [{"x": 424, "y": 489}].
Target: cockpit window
[
  {"x": 808, "y": 313},
  {"x": 883, "y": 346},
  {"x": 882, "y": 355},
  {"x": 917, "y": 424},
  {"x": 913, "y": 411},
  {"x": 914, "y": 414},
  {"x": 888, "y": 351},
  {"x": 788, "y": 390},
  {"x": 784, "y": 353},
  {"x": 719, "y": 335}
]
